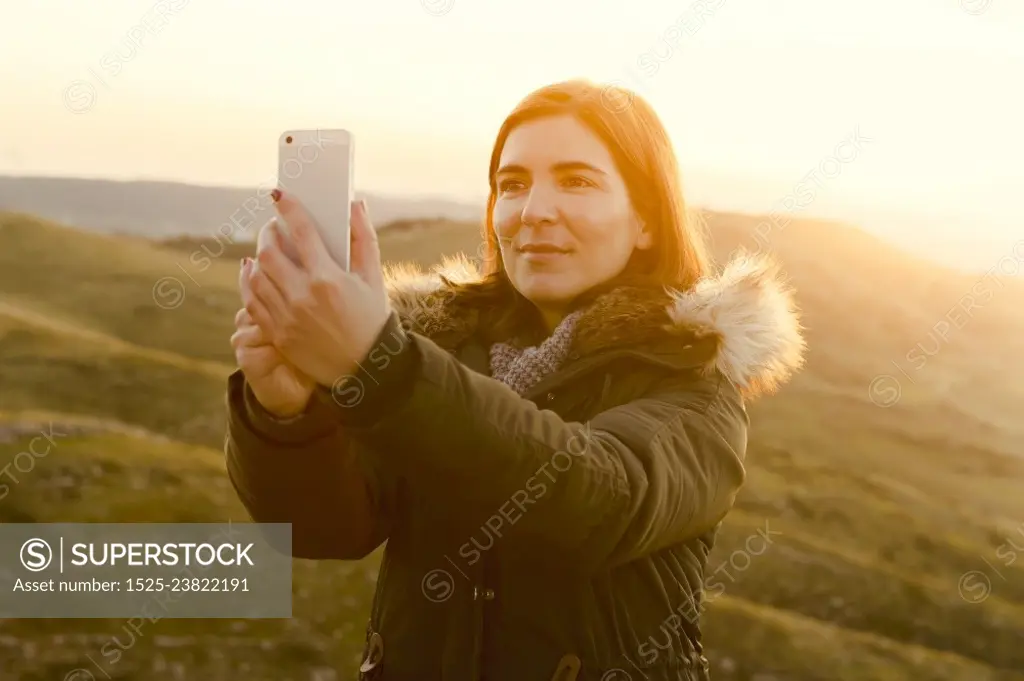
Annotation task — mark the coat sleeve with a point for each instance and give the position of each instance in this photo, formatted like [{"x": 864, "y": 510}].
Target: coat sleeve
[
  {"x": 307, "y": 473},
  {"x": 634, "y": 479}
]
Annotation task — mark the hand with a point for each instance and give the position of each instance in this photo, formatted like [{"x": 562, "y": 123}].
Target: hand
[
  {"x": 322, "y": 319},
  {"x": 279, "y": 387}
]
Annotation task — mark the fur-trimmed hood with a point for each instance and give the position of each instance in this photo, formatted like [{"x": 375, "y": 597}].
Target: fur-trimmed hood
[{"x": 745, "y": 316}]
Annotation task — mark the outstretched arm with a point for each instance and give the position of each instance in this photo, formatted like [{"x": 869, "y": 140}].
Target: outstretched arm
[
  {"x": 633, "y": 479},
  {"x": 305, "y": 473}
]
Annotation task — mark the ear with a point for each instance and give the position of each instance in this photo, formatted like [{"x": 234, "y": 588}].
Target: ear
[{"x": 645, "y": 235}]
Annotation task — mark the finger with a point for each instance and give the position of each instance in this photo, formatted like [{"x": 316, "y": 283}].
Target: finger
[
  {"x": 272, "y": 234},
  {"x": 244, "y": 287},
  {"x": 366, "y": 247},
  {"x": 256, "y": 309},
  {"x": 243, "y": 318},
  {"x": 269, "y": 295},
  {"x": 243, "y": 278},
  {"x": 289, "y": 279},
  {"x": 256, "y": 361},
  {"x": 250, "y": 337},
  {"x": 302, "y": 228}
]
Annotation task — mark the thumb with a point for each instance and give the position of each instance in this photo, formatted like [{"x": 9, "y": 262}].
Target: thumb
[{"x": 365, "y": 248}]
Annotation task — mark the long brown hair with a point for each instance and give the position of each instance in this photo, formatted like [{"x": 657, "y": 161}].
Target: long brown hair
[{"x": 640, "y": 146}]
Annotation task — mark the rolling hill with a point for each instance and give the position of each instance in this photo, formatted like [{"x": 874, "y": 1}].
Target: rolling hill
[{"x": 884, "y": 510}]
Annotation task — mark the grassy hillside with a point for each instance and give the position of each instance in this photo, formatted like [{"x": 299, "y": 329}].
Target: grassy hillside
[
  {"x": 124, "y": 288},
  {"x": 884, "y": 521}
]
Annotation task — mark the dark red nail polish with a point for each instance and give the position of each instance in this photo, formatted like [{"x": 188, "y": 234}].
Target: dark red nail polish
[{"x": 276, "y": 195}]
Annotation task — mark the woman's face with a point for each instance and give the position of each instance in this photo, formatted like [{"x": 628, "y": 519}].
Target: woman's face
[{"x": 562, "y": 214}]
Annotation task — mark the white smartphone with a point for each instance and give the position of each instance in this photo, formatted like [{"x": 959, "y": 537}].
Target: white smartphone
[{"x": 316, "y": 167}]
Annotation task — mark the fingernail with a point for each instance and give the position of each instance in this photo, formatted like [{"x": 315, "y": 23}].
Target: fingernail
[{"x": 276, "y": 195}]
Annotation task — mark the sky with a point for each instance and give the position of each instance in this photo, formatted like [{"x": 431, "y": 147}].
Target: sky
[{"x": 907, "y": 116}]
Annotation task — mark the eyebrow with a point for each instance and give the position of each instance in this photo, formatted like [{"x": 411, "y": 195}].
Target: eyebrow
[{"x": 557, "y": 167}]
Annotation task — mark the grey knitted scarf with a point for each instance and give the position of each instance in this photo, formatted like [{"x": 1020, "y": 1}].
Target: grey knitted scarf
[{"x": 520, "y": 368}]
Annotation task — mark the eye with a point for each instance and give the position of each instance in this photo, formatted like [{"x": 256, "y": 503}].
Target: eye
[
  {"x": 509, "y": 185},
  {"x": 577, "y": 182}
]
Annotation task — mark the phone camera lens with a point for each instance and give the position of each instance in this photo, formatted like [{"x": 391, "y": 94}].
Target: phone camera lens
[{"x": 288, "y": 139}]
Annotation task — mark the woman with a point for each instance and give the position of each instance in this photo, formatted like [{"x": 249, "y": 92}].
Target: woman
[{"x": 548, "y": 447}]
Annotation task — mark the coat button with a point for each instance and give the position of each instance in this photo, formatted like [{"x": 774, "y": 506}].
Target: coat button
[
  {"x": 486, "y": 594},
  {"x": 550, "y": 397}
]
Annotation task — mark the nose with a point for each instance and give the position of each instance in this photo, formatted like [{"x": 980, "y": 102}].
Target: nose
[{"x": 541, "y": 207}]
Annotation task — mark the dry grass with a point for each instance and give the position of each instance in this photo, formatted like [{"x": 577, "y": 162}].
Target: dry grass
[{"x": 876, "y": 513}]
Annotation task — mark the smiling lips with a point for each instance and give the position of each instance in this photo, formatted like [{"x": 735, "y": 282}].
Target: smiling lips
[{"x": 542, "y": 248}]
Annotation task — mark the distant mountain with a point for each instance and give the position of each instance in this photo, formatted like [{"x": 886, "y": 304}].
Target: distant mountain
[{"x": 169, "y": 209}]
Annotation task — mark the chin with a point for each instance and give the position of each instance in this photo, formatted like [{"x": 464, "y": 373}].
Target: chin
[{"x": 549, "y": 290}]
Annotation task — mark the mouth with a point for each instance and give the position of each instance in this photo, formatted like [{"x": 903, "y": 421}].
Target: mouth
[{"x": 542, "y": 248}]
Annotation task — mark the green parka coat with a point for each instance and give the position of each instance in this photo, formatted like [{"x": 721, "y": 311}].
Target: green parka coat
[{"x": 561, "y": 535}]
